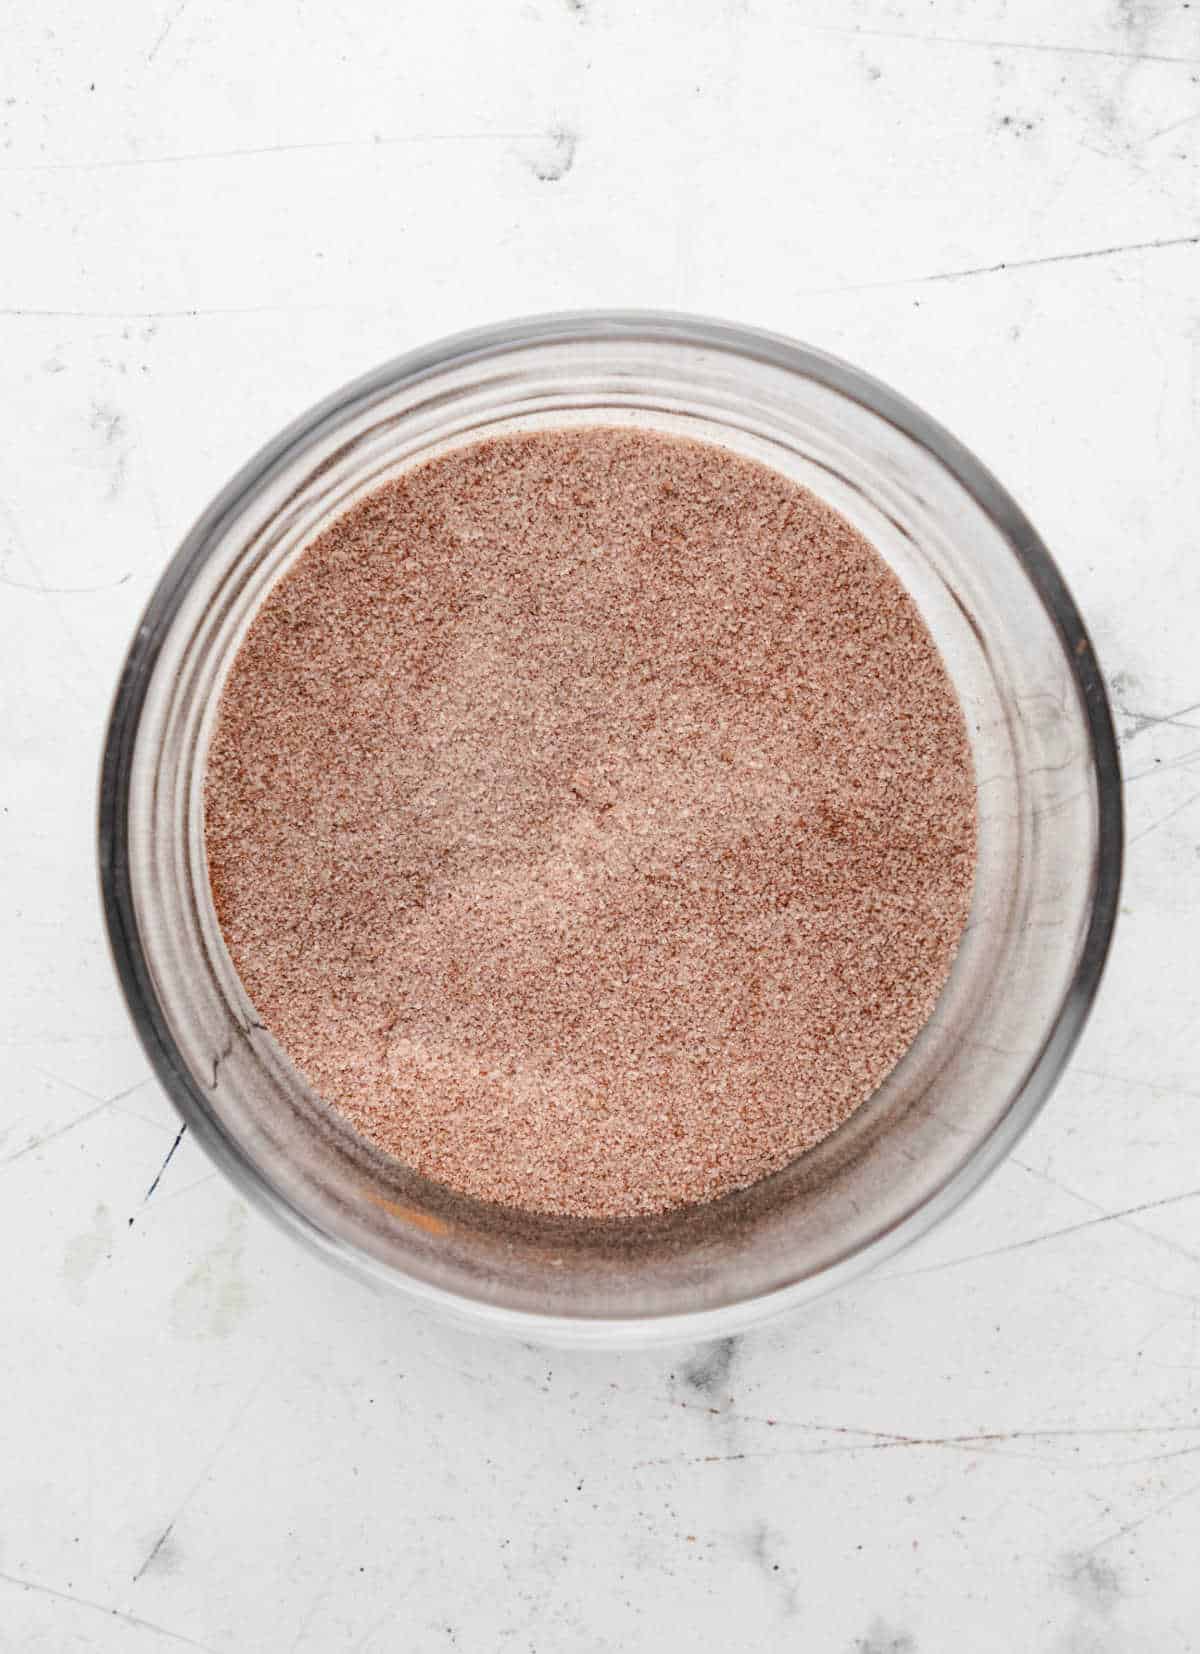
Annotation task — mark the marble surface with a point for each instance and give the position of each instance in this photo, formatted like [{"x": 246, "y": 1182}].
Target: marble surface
[{"x": 212, "y": 214}]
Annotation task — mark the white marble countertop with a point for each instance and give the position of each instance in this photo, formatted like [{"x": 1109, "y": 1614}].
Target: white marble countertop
[{"x": 212, "y": 214}]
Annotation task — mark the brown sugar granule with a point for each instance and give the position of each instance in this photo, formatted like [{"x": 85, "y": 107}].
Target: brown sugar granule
[{"x": 591, "y": 819}]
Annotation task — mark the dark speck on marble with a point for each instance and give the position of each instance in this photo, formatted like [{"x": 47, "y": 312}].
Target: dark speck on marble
[
  {"x": 1093, "y": 1581},
  {"x": 708, "y": 1371},
  {"x": 112, "y": 428},
  {"x": 166, "y": 1558},
  {"x": 555, "y": 157},
  {"x": 109, "y": 422},
  {"x": 1136, "y": 17},
  {"x": 1124, "y": 683},
  {"x": 880, "y": 1638},
  {"x": 761, "y": 1551}
]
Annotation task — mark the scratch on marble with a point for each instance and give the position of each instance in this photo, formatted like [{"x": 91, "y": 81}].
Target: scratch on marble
[
  {"x": 187, "y": 1189},
  {"x": 64, "y": 591},
  {"x": 113, "y": 1613},
  {"x": 157, "y": 1547},
  {"x": 1185, "y": 120},
  {"x": 314, "y": 1606},
  {"x": 1156, "y": 1458},
  {"x": 389, "y": 1611},
  {"x": 1128, "y": 1079},
  {"x": 1053, "y": 48},
  {"x": 1097, "y": 1206},
  {"x": 900, "y": 1439},
  {"x": 872, "y": 1441},
  {"x": 1007, "y": 265},
  {"x": 209, "y": 1466},
  {"x": 1162, "y": 820},
  {"x": 975, "y": 1442},
  {"x": 197, "y": 156},
  {"x": 1131, "y": 1527},
  {"x": 19, "y": 543},
  {"x": 27, "y": 313},
  {"x": 82, "y": 1091},
  {"x": 1183, "y": 762},
  {"x": 1068, "y": 1229},
  {"x": 53, "y": 1136},
  {"x": 1143, "y": 721},
  {"x": 57, "y": 1037},
  {"x": 169, "y": 23},
  {"x": 158, "y": 1176}
]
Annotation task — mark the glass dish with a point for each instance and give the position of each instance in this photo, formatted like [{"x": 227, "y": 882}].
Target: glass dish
[{"x": 1049, "y": 851}]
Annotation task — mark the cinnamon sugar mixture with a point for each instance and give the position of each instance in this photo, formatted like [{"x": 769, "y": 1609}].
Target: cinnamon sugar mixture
[{"x": 591, "y": 819}]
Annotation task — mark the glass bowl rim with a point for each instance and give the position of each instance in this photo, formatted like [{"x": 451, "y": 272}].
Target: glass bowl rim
[{"x": 496, "y": 340}]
